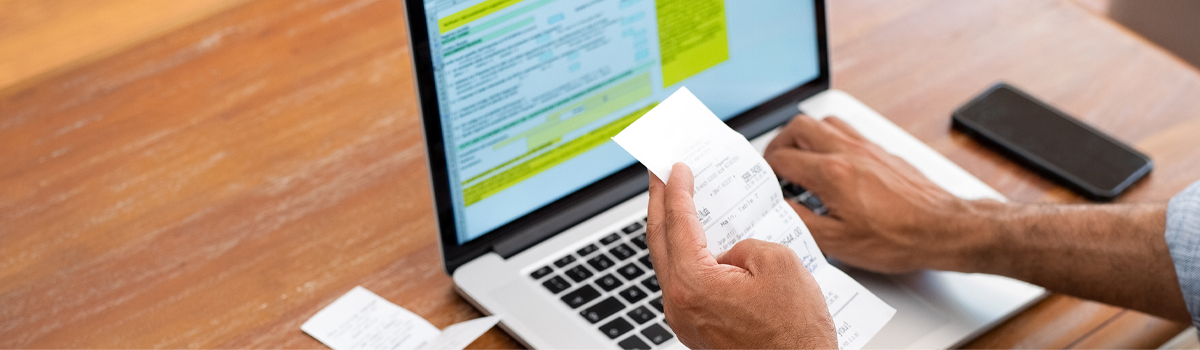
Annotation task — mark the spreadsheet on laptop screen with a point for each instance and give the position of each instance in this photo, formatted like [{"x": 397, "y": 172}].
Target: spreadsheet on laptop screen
[{"x": 531, "y": 91}]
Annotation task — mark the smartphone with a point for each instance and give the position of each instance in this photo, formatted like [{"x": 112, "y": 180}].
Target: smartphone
[{"x": 1052, "y": 143}]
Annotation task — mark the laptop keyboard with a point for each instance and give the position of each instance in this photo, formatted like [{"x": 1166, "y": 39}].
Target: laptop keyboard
[
  {"x": 803, "y": 196},
  {"x": 611, "y": 284}
]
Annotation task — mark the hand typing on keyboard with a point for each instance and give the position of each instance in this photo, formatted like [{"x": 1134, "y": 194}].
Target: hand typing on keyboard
[
  {"x": 885, "y": 215},
  {"x": 882, "y": 212},
  {"x": 756, "y": 295}
]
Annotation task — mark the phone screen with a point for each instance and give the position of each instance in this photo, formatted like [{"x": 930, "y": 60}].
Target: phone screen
[{"x": 1054, "y": 141}]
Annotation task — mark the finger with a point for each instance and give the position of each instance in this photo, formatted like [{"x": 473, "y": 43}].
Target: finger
[
  {"x": 800, "y": 167},
  {"x": 741, "y": 254},
  {"x": 846, "y": 129},
  {"x": 761, "y": 258},
  {"x": 655, "y": 214},
  {"x": 806, "y": 133},
  {"x": 686, "y": 246},
  {"x": 823, "y": 224},
  {"x": 783, "y": 140}
]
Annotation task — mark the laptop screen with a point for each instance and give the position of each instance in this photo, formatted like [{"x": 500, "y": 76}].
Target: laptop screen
[{"x": 531, "y": 91}]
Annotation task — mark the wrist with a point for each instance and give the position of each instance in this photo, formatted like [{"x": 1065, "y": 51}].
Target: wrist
[{"x": 970, "y": 237}]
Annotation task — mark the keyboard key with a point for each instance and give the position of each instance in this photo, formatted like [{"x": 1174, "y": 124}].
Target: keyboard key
[
  {"x": 609, "y": 239},
  {"x": 621, "y": 251},
  {"x": 632, "y": 228},
  {"x": 556, "y": 284},
  {"x": 583, "y": 252},
  {"x": 564, "y": 261},
  {"x": 616, "y": 328},
  {"x": 810, "y": 201},
  {"x": 633, "y": 343},
  {"x": 579, "y": 273},
  {"x": 657, "y": 334},
  {"x": 580, "y": 296},
  {"x": 600, "y": 262},
  {"x": 657, "y": 304},
  {"x": 542, "y": 272},
  {"x": 651, "y": 283},
  {"x": 641, "y": 315},
  {"x": 629, "y": 271},
  {"x": 646, "y": 261},
  {"x": 791, "y": 190},
  {"x": 602, "y": 310},
  {"x": 633, "y": 294},
  {"x": 608, "y": 282},
  {"x": 639, "y": 241}
]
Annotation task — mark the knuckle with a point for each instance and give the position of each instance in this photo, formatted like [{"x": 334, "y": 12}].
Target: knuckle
[
  {"x": 653, "y": 227},
  {"x": 800, "y": 121},
  {"x": 800, "y": 125},
  {"x": 779, "y": 158},
  {"x": 858, "y": 146},
  {"x": 678, "y": 217},
  {"x": 771, "y": 155},
  {"x": 751, "y": 245},
  {"x": 835, "y": 167},
  {"x": 778, "y": 255},
  {"x": 774, "y": 251}
]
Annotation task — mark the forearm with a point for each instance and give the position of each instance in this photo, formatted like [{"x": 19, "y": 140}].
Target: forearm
[{"x": 1115, "y": 254}]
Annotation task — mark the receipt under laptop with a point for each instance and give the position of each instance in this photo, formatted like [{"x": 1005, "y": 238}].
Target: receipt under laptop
[
  {"x": 363, "y": 320},
  {"x": 738, "y": 197}
]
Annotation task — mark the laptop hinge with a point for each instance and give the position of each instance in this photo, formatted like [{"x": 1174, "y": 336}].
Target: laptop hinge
[{"x": 568, "y": 217}]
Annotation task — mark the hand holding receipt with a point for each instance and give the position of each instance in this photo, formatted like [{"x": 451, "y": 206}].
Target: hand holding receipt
[{"x": 737, "y": 197}]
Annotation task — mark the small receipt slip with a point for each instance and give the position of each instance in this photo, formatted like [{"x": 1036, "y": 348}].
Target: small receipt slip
[
  {"x": 738, "y": 197},
  {"x": 362, "y": 320}
]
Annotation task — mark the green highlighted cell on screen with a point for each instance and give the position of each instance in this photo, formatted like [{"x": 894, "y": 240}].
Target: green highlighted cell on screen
[
  {"x": 473, "y": 13},
  {"x": 536, "y": 165},
  {"x": 691, "y": 37}
]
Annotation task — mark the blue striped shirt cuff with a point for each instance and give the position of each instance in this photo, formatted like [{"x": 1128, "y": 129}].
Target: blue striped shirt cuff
[{"x": 1183, "y": 240}]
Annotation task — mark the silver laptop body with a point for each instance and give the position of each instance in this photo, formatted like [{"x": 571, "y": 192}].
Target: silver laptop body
[{"x": 572, "y": 271}]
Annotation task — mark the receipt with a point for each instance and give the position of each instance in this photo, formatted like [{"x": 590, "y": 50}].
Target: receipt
[
  {"x": 738, "y": 197},
  {"x": 362, "y": 320}
]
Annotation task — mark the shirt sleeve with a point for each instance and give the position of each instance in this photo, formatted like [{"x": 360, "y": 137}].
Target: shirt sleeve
[{"x": 1183, "y": 240}]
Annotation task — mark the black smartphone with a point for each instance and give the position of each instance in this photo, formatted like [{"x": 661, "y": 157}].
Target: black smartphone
[{"x": 1052, "y": 143}]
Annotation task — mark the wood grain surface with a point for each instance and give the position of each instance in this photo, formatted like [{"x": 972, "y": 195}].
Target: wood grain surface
[
  {"x": 217, "y": 185},
  {"x": 40, "y": 38}
]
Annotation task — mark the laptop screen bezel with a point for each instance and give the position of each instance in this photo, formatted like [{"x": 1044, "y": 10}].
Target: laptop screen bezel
[{"x": 582, "y": 204}]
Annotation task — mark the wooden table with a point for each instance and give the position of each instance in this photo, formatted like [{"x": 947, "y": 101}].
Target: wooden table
[{"x": 217, "y": 185}]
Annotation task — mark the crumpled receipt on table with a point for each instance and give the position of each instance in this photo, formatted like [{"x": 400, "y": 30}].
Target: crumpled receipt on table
[
  {"x": 362, "y": 320},
  {"x": 738, "y": 197}
]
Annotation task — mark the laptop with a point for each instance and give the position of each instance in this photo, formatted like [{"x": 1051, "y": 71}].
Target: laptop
[{"x": 541, "y": 216}]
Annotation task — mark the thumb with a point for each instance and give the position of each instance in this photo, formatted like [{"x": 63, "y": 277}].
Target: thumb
[
  {"x": 686, "y": 245},
  {"x": 762, "y": 258}
]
